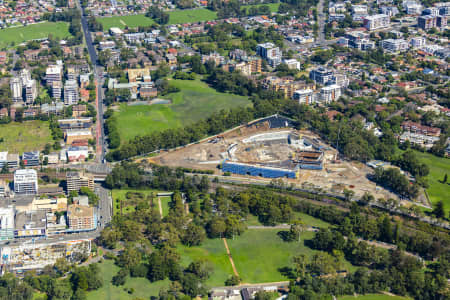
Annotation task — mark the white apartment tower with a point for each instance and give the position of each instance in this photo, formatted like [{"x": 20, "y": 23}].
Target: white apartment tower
[
  {"x": 25, "y": 181},
  {"x": 16, "y": 89},
  {"x": 71, "y": 95},
  {"x": 53, "y": 73}
]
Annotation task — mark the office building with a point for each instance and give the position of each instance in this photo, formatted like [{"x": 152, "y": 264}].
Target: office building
[
  {"x": 25, "y": 181},
  {"x": 31, "y": 159},
  {"x": 71, "y": 95},
  {"x": 321, "y": 75},
  {"x": 7, "y": 223},
  {"x": 270, "y": 52},
  {"x": 30, "y": 223},
  {"x": 9, "y": 159},
  {"x": 376, "y": 22},
  {"x": 395, "y": 45},
  {"x": 80, "y": 217},
  {"x": 330, "y": 93},
  {"x": 16, "y": 89},
  {"x": 305, "y": 96},
  {"x": 77, "y": 180}
]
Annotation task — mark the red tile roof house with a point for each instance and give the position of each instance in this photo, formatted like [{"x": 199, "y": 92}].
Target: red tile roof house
[{"x": 421, "y": 129}]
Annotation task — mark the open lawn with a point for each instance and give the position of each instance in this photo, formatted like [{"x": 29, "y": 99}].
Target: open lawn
[
  {"x": 165, "y": 204},
  {"x": 273, "y": 6},
  {"x": 132, "y": 21},
  {"x": 191, "y": 16},
  {"x": 214, "y": 251},
  {"x": 439, "y": 166},
  {"x": 258, "y": 254},
  {"x": 21, "y": 34},
  {"x": 129, "y": 204},
  {"x": 309, "y": 220},
  {"x": 26, "y": 136},
  {"x": 373, "y": 297},
  {"x": 142, "y": 287},
  {"x": 195, "y": 101}
]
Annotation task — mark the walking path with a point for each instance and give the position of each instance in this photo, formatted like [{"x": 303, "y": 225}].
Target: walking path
[
  {"x": 230, "y": 257},
  {"x": 160, "y": 207}
]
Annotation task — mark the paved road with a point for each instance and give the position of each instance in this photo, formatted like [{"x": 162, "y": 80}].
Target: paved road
[
  {"x": 321, "y": 20},
  {"x": 98, "y": 77}
]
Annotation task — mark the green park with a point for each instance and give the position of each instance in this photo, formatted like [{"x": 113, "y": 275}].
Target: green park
[
  {"x": 439, "y": 166},
  {"x": 15, "y": 35},
  {"x": 195, "y": 101}
]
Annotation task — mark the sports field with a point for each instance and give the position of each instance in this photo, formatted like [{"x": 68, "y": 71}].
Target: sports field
[
  {"x": 258, "y": 254},
  {"x": 21, "y": 34},
  {"x": 195, "y": 101},
  {"x": 191, "y": 16},
  {"x": 132, "y": 21},
  {"x": 143, "y": 288},
  {"x": 26, "y": 136},
  {"x": 439, "y": 166},
  {"x": 373, "y": 297}
]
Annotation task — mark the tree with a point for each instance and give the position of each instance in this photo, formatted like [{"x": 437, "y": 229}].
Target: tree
[
  {"x": 296, "y": 230},
  {"x": 216, "y": 228},
  {"x": 194, "y": 235},
  {"x": 300, "y": 265},
  {"x": 120, "y": 277},
  {"x": 348, "y": 194},
  {"x": 202, "y": 268},
  {"x": 232, "y": 280},
  {"x": 439, "y": 210}
]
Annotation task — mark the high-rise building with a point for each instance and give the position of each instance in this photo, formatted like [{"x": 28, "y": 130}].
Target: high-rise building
[
  {"x": 56, "y": 90},
  {"x": 77, "y": 180},
  {"x": 71, "y": 95},
  {"x": 25, "y": 76},
  {"x": 270, "y": 52},
  {"x": 30, "y": 91},
  {"x": 6, "y": 223},
  {"x": 25, "y": 181},
  {"x": 53, "y": 73},
  {"x": 16, "y": 89}
]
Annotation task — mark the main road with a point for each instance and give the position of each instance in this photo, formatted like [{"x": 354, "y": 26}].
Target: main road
[{"x": 98, "y": 76}]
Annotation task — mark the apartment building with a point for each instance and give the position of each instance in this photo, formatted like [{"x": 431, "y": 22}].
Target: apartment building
[
  {"x": 421, "y": 129},
  {"x": 426, "y": 22},
  {"x": 56, "y": 90},
  {"x": 270, "y": 52},
  {"x": 80, "y": 217},
  {"x": 7, "y": 223},
  {"x": 16, "y": 89},
  {"x": 305, "y": 96},
  {"x": 25, "y": 181},
  {"x": 71, "y": 95},
  {"x": 375, "y": 22},
  {"x": 395, "y": 45},
  {"x": 330, "y": 93},
  {"x": 77, "y": 180},
  {"x": 31, "y": 91},
  {"x": 322, "y": 75},
  {"x": 53, "y": 73}
]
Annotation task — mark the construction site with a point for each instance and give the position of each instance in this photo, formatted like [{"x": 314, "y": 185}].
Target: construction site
[
  {"x": 30, "y": 256},
  {"x": 271, "y": 148}
]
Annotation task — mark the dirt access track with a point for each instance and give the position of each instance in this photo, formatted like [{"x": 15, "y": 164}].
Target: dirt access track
[{"x": 242, "y": 145}]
